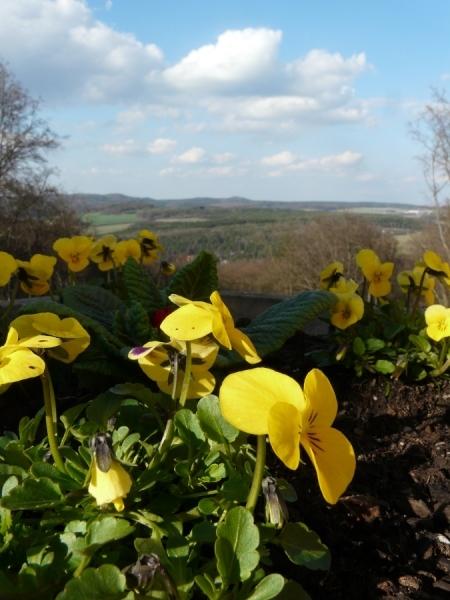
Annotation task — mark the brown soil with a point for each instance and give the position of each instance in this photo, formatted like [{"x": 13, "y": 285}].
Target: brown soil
[{"x": 389, "y": 535}]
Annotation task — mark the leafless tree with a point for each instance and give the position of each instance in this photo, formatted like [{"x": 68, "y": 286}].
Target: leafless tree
[
  {"x": 432, "y": 130},
  {"x": 24, "y": 136},
  {"x": 32, "y": 212}
]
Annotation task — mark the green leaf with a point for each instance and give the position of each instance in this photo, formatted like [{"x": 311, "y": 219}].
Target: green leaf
[
  {"x": 384, "y": 366},
  {"x": 293, "y": 591},
  {"x": 188, "y": 427},
  {"x": 33, "y": 494},
  {"x": 270, "y": 330},
  {"x": 140, "y": 287},
  {"x": 303, "y": 547},
  {"x": 268, "y": 588},
  {"x": 420, "y": 342},
  {"x": 43, "y": 469},
  {"x": 374, "y": 344},
  {"x": 358, "y": 346},
  {"x": 102, "y": 408},
  {"x": 197, "y": 280},
  {"x": 136, "y": 324},
  {"x": 235, "y": 547},
  {"x": 212, "y": 422},
  {"x": 206, "y": 584},
  {"x": 104, "y": 583},
  {"x": 107, "y": 529},
  {"x": 93, "y": 301}
]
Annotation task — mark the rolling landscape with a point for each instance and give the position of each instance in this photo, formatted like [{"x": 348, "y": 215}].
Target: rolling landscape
[{"x": 232, "y": 228}]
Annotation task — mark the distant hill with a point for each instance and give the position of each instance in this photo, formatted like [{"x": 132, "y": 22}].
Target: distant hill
[{"x": 100, "y": 202}]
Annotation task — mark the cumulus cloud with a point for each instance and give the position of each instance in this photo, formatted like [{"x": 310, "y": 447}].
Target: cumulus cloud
[
  {"x": 287, "y": 162},
  {"x": 192, "y": 156},
  {"x": 238, "y": 83},
  {"x": 161, "y": 146},
  {"x": 224, "y": 157},
  {"x": 239, "y": 57},
  {"x": 280, "y": 159},
  {"x": 59, "y": 49}
]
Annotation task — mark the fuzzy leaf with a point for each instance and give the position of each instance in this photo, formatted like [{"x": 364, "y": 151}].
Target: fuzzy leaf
[
  {"x": 140, "y": 287},
  {"x": 197, "y": 280},
  {"x": 236, "y": 544},
  {"x": 270, "y": 330},
  {"x": 93, "y": 301}
]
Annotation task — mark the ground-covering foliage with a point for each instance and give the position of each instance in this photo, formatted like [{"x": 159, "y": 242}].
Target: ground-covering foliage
[{"x": 154, "y": 479}]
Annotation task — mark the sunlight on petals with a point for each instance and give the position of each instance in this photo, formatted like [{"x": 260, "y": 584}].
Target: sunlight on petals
[
  {"x": 334, "y": 461},
  {"x": 246, "y": 397},
  {"x": 284, "y": 425}
]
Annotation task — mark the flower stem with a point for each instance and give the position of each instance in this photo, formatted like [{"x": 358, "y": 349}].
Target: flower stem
[
  {"x": 257, "y": 473},
  {"x": 187, "y": 375},
  {"x": 418, "y": 293},
  {"x": 50, "y": 418}
]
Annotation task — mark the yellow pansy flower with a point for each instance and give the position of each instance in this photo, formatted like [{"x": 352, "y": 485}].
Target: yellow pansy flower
[
  {"x": 126, "y": 249},
  {"x": 8, "y": 265},
  {"x": 18, "y": 361},
  {"x": 74, "y": 251},
  {"x": 437, "y": 318},
  {"x": 377, "y": 273},
  {"x": 150, "y": 246},
  {"x": 109, "y": 486},
  {"x": 410, "y": 281},
  {"x": 73, "y": 338},
  {"x": 195, "y": 319},
  {"x": 34, "y": 274},
  {"x": 261, "y": 401},
  {"x": 437, "y": 266},
  {"x": 102, "y": 252},
  {"x": 160, "y": 361},
  {"x": 347, "y": 311},
  {"x": 330, "y": 276}
]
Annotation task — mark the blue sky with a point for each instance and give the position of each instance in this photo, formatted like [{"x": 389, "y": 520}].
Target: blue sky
[{"x": 286, "y": 100}]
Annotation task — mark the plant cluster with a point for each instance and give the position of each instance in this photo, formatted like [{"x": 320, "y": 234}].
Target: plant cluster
[
  {"x": 151, "y": 487},
  {"x": 381, "y": 330}
]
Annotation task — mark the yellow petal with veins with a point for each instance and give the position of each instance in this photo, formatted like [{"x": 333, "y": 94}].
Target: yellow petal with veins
[
  {"x": 320, "y": 397},
  {"x": 334, "y": 460}
]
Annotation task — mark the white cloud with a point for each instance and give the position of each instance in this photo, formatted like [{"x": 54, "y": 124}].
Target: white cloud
[
  {"x": 224, "y": 157},
  {"x": 59, "y": 50},
  {"x": 445, "y": 76},
  {"x": 161, "y": 146},
  {"x": 121, "y": 148},
  {"x": 192, "y": 156},
  {"x": 238, "y": 58},
  {"x": 287, "y": 162},
  {"x": 281, "y": 159},
  {"x": 331, "y": 162},
  {"x": 322, "y": 71},
  {"x": 108, "y": 4}
]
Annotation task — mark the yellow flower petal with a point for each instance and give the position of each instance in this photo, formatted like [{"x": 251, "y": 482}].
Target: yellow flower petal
[
  {"x": 334, "y": 460},
  {"x": 17, "y": 364},
  {"x": 437, "y": 318},
  {"x": 111, "y": 486},
  {"x": 8, "y": 265},
  {"x": 244, "y": 346},
  {"x": 246, "y": 397},
  {"x": 347, "y": 311},
  {"x": 187, "y": 323},
  {"x": 284, "y": 423},
  {"x": 321, "y": 399}
]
